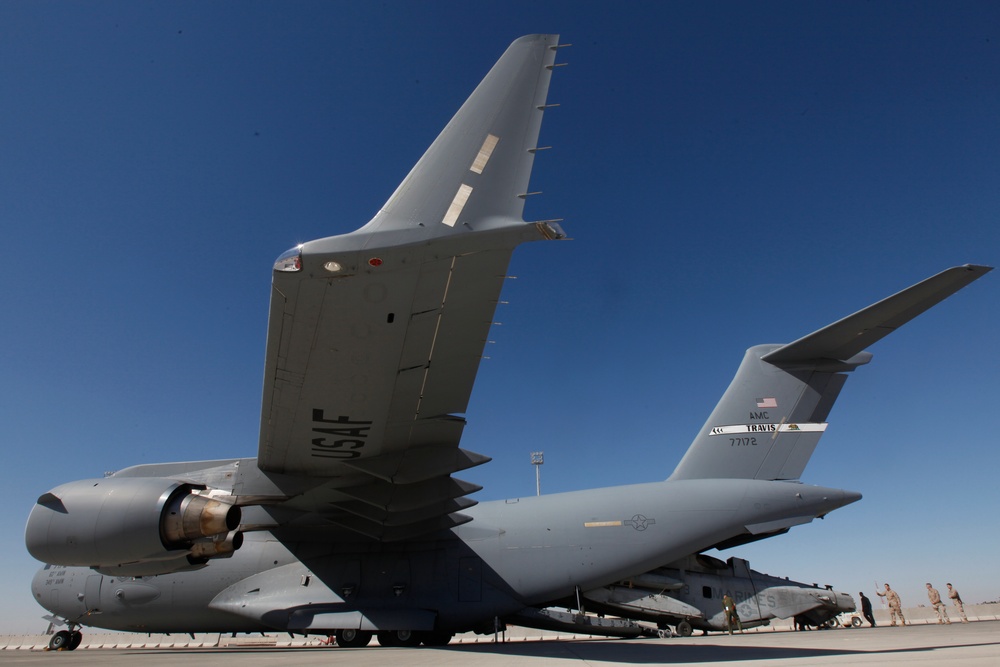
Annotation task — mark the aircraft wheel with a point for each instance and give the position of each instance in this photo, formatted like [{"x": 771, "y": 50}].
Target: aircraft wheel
[
  {"x": 855, "y": 622},
  {"x": 352, "y": 638},
  {"x": 60, "y": 641},
  {"x": 684, "y": 629},
  {"x": 664, "y": 633},
  {"x": 436, "y": 638},
  {"x": 398, "y": 638},
  {"x": 75, "y": 638}
]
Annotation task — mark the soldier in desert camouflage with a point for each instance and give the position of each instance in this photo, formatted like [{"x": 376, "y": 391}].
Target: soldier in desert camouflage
[
  {"x": 935, "y": 599},
  {"x": 895, "y": 605},
  {"x": 957, "y": 601}
]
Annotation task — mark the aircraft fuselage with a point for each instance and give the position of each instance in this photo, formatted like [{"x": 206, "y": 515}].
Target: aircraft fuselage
[{"x": 516, "y": 553}]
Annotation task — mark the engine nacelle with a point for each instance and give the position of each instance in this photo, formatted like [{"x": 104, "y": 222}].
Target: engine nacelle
[
  {"x": 219, "y": 546},
  {"x": 131, "y": 521}
]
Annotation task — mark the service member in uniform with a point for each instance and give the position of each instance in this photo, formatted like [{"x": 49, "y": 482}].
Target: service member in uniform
[
  {"x": 895, "y": 606},
  {"x": 957, "y": 601},
  {"x": 732, "y": 618},
  {"x": 935, "y": 599}
]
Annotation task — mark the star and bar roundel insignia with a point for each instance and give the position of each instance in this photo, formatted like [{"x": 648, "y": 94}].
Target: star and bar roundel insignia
[{"x": 639, "y": 522}]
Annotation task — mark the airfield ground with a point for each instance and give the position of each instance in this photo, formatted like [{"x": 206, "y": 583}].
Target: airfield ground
[{"x": 956, "y": 645}]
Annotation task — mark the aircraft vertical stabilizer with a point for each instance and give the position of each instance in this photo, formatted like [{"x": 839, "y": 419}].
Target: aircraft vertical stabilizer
[{"x": 772, "y": 415}]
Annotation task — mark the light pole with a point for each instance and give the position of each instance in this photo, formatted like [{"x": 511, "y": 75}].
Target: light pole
[{"x": 537, "y": 459}]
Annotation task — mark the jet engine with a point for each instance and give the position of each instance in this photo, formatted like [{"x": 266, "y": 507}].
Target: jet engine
[{"x": 137, "y": 526}]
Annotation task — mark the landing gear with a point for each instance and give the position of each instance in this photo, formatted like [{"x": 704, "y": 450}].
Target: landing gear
[
  {"x": 65, "y": 640},
  {"x": 664, "y": 632},
  {"x": 398, "y": 638},
  {"x": 436, "y": 638},
  {"x": 353, "y": 638},
  {"x": 684, "y": 629}
]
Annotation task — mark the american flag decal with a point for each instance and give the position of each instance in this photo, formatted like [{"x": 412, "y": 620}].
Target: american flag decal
[{"x": 767, "y": 403}]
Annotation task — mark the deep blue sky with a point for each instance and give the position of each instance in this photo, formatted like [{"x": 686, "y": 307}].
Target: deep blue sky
[{"x": 732, "y": 174}]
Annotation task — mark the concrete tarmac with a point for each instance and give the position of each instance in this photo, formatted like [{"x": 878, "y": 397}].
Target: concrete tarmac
[{"x": 955, "y": 645}]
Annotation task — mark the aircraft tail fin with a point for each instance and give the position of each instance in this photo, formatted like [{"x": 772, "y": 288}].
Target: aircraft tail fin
[{"x": 774, "y": 412}]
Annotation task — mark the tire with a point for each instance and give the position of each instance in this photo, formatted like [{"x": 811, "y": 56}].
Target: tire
[
  {"x": 351, "y": 638},
  {"x": 60, "y": 641},
  {"x": 75, "y": 638},
  {"x": 436, "y": 638},
  {"x": 664, "y": 633},
  {"x": 398, "y": 638},
  {"x": 855, "y": 622},
  {"x": 684, "y": 629}
]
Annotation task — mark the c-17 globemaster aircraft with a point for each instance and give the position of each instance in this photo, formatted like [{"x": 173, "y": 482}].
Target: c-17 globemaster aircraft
[{"x": 350, "y": 520}]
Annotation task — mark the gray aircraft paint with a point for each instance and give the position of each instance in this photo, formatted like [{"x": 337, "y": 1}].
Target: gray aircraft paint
[
  {"x": 350, "y": 517},
  {"x": 690, "y": 590}
]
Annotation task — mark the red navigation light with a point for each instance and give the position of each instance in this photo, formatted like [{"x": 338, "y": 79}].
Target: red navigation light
[{"x": 290, "y": 260}]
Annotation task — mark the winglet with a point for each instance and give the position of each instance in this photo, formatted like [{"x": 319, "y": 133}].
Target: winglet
[{"x": 476, "y": 172}]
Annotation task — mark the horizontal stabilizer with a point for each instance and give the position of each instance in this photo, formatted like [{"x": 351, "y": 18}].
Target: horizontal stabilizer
[
  {"x": 847, "y": 337},
  {"x": 770, "y": 419}
]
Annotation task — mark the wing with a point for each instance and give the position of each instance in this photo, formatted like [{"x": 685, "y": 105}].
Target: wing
[{"x": 374, "y": 337}]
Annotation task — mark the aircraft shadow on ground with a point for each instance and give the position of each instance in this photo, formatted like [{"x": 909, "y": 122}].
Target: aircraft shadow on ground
[
  {"x": 641, "y": 654},
  {"x": 610, "y": 651}
]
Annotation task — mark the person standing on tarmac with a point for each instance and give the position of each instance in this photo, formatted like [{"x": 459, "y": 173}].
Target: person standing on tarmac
[
  {"x": 956, "y": 599},
  {"x": 895, "y": 605},
  {"x": 866, "y": 609},
  {"x": 732, "y": 618},
  {"x": 935, "y": 599}
]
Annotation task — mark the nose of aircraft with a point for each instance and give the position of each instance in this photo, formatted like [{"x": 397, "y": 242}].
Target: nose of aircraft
[
  {"x": 42, "y": 588},
  {"x": 60, "y": 590},
  {"x": 45, "y": 587}
]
